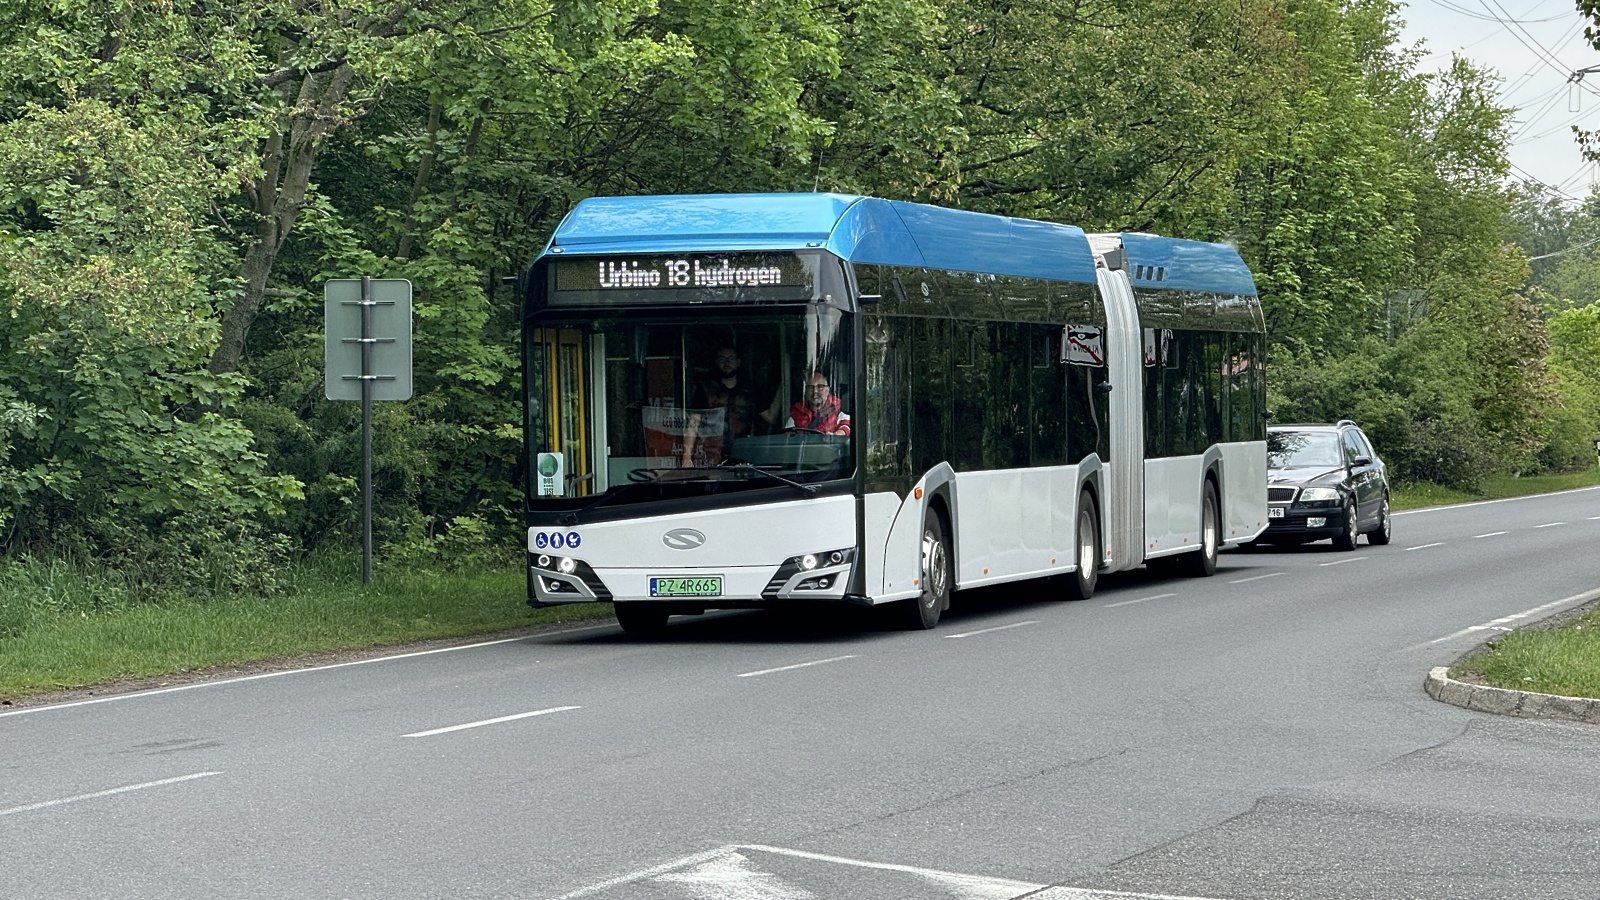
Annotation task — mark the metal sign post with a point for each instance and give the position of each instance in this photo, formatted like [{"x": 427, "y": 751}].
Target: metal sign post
[{"x": 367, "y": 356}]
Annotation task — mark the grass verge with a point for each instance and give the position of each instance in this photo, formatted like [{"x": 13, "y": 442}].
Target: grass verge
[
  {"x": 58, "y": 631},
  {"x": 1563, "y": 659},
  {"x": 1495, "y": 487}
]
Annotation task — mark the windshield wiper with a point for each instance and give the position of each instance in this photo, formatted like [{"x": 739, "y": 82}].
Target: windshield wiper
[
  {"x": 570, "y": 517},
  {"x": 807, "y": 489}
]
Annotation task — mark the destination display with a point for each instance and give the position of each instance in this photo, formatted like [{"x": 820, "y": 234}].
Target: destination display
[{"x": 756, "y": 276}]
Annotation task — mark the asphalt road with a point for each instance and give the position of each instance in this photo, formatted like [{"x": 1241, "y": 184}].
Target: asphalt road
[{"x": 1259, "y": 734}]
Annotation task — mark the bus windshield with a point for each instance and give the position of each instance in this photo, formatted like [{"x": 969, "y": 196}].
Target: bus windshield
[{"x": 686, "y": 402}]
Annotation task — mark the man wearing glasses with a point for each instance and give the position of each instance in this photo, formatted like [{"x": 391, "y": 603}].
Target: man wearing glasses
[
  {"x": 735, "y": 398},
  {"x": 818, "y": 409}
]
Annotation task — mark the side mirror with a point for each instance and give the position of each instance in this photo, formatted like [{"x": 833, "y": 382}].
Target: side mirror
[{"x": 1362, "y": 461}]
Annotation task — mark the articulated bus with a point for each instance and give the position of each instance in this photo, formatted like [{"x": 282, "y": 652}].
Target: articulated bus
[{"x": 744, "y": 401}]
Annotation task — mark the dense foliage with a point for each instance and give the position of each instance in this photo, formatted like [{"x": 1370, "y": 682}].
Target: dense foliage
[{"x": 176, "y": 182}]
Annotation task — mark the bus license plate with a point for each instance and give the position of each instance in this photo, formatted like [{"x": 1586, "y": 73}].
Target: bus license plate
[
  {"x": 1275, "y": 512},
  {"x": 699, "y": 586}
]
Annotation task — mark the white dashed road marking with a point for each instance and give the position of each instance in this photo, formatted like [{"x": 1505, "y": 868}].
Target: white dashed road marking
[
  {"x": 996, "y": 628},
  {"x": 803, "y": 665},
  {"x": 1491, "y": 534},
  {"x": 1140, "y": 600},
  {"x": 495, "y": 721},
  {"x": 1549, "y": 524},
  {"x": 1256, "y": 577},
  {"x": 121, "y": 790},
  {"x": 1497, "y": 624},
  {"x": 1340, "y": 562},
  {"x": 1426, "y": 546}
]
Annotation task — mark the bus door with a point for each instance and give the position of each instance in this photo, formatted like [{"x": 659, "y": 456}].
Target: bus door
[{"x": 559, "y": 420}]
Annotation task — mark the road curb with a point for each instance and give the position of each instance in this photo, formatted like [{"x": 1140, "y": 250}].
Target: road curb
[{"x": 1500, "y": 701}]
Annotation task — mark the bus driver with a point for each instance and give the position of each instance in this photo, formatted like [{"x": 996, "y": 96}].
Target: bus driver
[{"x": 818, "y": 409}]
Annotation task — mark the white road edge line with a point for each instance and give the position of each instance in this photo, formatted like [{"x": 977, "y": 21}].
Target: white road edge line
[
  {"x": 1256, "y": 577},
  {"x": 357, "y": 662},
  {"x": 996, "y": 628},
  {"x": 803, "y": 665},
  {"x": 120, "y": 790},
  {"x": 1426, "y": 546},
  {"x": 1450, "y": 506},
  {"x": 495, "y": 721},
  {"x": 1506, "y": 620},
  {"x": 1140, "y": 600},
  {"x": 1340, "y": 562},
  {"x": 1491, "y": 534}
]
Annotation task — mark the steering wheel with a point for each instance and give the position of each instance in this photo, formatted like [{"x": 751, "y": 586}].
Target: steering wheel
[
  {"x": 642, "y": 476},
  {"x": 799, "y": 429}
]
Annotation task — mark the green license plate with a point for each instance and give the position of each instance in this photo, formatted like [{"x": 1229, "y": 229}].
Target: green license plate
[{"x": 700, "y": 586}]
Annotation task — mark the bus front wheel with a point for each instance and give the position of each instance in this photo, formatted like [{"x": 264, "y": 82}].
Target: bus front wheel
[
  {"x": 641, "y": 618},
  {"x": 923, "y": 611}
]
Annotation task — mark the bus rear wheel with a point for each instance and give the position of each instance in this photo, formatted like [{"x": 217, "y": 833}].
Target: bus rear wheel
[
  {"x": 923, "y": 611},
  {"x": 641, "y": 618},
  {"x": 1202, "y": 563},
  {"x": 1084, "y": 579}
]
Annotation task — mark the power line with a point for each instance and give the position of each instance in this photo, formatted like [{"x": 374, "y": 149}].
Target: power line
[
  {"x": 1474, "y": 15},
  {"x": 1567, "y": 250}
]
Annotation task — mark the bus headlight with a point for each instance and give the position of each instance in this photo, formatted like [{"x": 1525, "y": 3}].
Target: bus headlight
[
  {"x": 568, "y": 565},
  {"x": 808, "y": 562}
]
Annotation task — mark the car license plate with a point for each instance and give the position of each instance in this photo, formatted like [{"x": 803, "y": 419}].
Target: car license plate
[
  {"x": 1275, "y": 512},
  {"x": 696, "y": 586}
]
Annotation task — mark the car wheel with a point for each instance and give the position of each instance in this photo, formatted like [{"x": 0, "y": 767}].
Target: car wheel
[
  {"x": 641, "y": 618},
  {"x": 1202, "y": 563},
  {"x": 1385, "y": 531},
  {"x": 1346, "y": 539},
  {"x": 923, "y": 611},
  {"x": 1088, "y": 550}
]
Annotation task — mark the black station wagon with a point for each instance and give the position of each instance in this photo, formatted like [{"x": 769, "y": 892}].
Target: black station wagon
[{"x": 1325, "y": 481}]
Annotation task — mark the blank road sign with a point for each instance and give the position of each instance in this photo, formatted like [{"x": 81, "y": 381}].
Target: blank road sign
[{"x": 390, "y": 338}]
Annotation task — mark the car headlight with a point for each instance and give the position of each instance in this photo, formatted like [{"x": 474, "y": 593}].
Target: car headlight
[{"x": 1319, "y": 493}]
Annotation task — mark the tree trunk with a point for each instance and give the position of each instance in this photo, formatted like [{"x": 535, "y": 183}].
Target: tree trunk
[{"x": 279, "y": 195}]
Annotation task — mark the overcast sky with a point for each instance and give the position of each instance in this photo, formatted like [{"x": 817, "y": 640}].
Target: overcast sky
[{"x": 1535, "y": 45}]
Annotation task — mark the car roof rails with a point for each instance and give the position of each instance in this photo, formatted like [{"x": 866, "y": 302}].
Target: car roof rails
[{"x": 1344, "y": 422}]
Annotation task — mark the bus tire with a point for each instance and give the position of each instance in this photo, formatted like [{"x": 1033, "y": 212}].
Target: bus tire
[
  {"x": 923, "y": 612},
  {"x": 1202, "y": 563},
  {"x": 1087, "y": 559},
  {"x": 641, "y": 618}
]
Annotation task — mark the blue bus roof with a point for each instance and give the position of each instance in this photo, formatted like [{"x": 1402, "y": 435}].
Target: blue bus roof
[
  {"x": 870, "y": 230},
  {"x": 858, "y": 229},
  {"x": 1186, "y": 265}
]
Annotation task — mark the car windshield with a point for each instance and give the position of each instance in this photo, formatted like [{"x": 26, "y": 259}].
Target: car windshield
[{"x": 1291, "y": 449}]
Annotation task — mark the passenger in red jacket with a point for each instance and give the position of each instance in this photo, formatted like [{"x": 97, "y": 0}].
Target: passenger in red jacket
[{"x": 818, "y": 409}]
